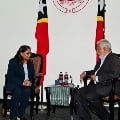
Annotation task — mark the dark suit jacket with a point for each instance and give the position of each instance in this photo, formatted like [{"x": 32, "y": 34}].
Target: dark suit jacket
[
  {"x": 110, "y": 69},
  {"x": 16, "y": 74}
]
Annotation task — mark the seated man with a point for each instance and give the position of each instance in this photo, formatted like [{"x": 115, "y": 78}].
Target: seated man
[{"x": 107, "y": 68}]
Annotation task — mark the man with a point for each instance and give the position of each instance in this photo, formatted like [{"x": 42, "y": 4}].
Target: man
[{"x": 107, "y": 68}]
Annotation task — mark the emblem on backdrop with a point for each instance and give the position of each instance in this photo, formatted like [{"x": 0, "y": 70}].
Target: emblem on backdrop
[{"x": 70, "y": 6}]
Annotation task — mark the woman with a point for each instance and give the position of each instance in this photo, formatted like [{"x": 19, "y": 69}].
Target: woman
[{"x": 20, "y": 75}]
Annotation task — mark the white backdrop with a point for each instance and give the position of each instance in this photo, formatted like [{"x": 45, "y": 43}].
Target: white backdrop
[
  {"x": 72, "y": 39},
  {"x": 71, "y": 36}
]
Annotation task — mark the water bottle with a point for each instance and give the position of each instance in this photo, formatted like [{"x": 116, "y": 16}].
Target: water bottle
[
  {"x": 56, "y": 82},
  {"x": 71, "y": 81},
  {"x": 61, "y": 78},
  {"x": 66, "y": 78}
]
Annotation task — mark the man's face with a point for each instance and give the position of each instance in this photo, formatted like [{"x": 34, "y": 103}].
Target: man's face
[{"x": 101, "y": 51}]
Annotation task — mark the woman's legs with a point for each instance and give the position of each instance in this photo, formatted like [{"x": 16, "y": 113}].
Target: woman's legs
[
  {"x": 25, "y": 95},
  {"x": 15, "y": 103},
  {"x": 19, "y": 101}
]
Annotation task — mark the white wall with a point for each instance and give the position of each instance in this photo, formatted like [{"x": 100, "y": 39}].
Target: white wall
[
  {"x": 72, "y": 39},
  {"x": 71, "y": 36},
  {"x": 17, "y": 27},
  {"x": 113, "y": 24}
]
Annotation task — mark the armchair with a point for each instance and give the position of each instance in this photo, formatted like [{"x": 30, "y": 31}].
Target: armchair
[
  {"x": 37, "y": 61},
  {"x": 112, "y": 98}
]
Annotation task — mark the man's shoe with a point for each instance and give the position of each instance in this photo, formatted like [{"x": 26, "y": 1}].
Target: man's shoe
[
  {"x": 22, "y": 118},
  {"x": 13, "y": 119}
]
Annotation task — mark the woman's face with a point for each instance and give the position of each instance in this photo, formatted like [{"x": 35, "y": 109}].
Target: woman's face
[{"x": 26, "y": 55}]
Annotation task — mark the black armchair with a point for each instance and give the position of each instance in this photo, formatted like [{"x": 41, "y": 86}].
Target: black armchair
[{"x": 112, "y": 98}]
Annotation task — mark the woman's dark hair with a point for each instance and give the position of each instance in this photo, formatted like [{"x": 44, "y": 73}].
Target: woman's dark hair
[{"x": 22, "y": 48}]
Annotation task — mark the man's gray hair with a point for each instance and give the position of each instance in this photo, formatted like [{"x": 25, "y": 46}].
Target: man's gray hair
[{"x": 104, "y": 43}]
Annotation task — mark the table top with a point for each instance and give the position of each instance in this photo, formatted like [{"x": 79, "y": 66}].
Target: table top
[{"x": 69, "y": 85}]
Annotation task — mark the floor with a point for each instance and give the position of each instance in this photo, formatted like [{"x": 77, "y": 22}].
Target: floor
[{"x": 61, "y": 113}]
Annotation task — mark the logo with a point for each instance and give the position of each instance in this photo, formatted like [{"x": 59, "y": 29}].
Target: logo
[{"x": 70, "y": 6}]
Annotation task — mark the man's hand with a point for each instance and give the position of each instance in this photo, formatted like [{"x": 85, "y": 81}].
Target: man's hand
[
  {"x": 93, "y": 77},
  {"x": 82, "y": 75}
]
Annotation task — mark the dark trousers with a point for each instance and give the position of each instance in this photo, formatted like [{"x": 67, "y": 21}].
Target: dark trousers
[
  {"x": 86, "y": 98},
  {"x": 19, "y": 101}
]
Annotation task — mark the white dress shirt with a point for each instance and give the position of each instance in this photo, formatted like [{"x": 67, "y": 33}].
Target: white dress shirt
[{"x": 26, "y": 71}]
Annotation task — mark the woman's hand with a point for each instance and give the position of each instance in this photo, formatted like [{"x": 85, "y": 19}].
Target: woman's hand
[{"x": 27, "y": 83}]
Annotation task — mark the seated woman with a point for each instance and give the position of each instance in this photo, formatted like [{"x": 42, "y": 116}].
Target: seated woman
[{"x": 20, "y": 75}]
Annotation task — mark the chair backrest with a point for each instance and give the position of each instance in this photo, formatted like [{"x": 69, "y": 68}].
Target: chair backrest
[
  {"x": 38, "y": 63},
  {"x": 6, "y": 79}
]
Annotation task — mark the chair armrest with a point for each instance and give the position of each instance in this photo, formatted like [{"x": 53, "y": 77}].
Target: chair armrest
[
  {"x": 37, "y": 90},
  {"x": 38, "y": 75},
  {"x": 36, "y": 78},
  {"x": 112, "y": 92},
  {"x": 85, "y": 80}
]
